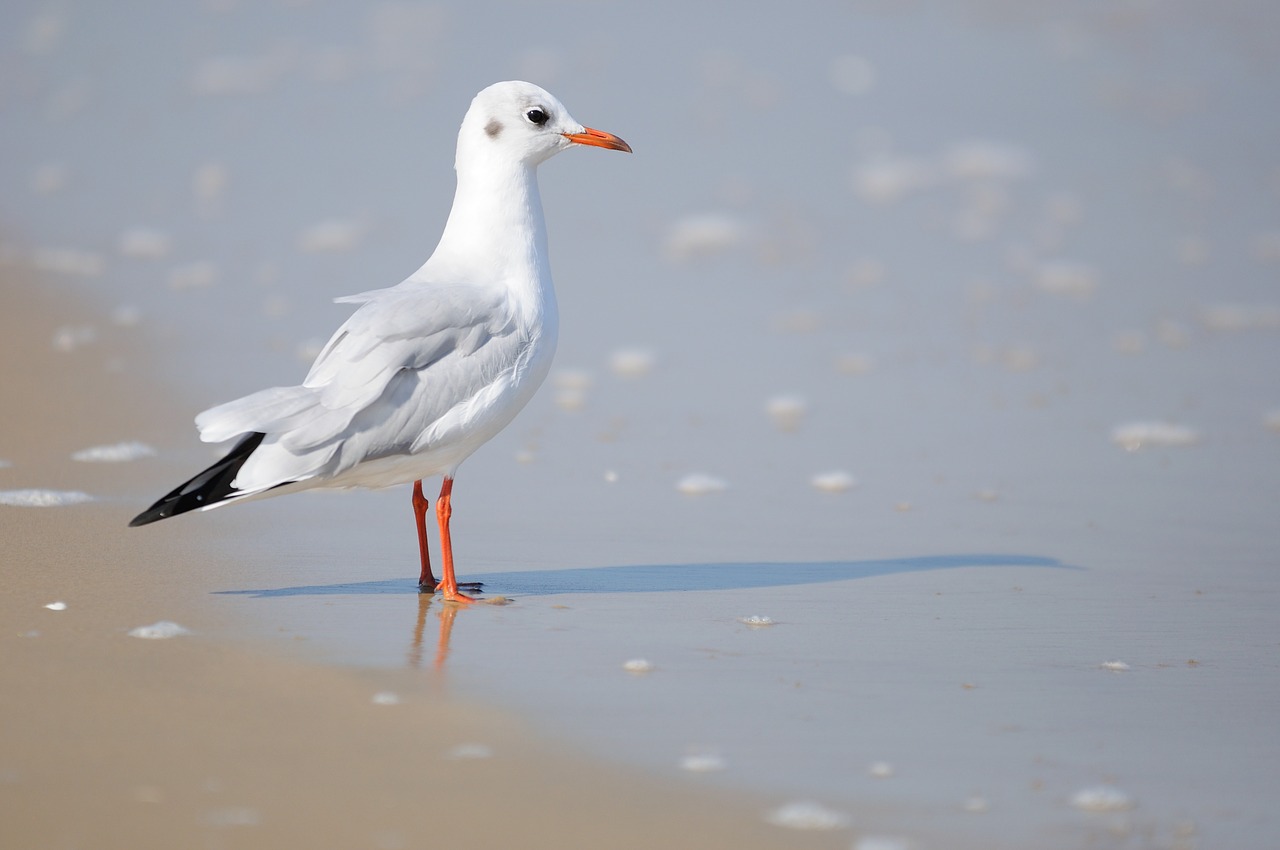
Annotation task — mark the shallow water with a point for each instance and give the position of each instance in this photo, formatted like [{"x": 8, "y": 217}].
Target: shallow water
[{"x": 966, "y": 246}]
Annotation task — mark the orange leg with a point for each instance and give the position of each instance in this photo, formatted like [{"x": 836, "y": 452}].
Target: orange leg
[
  {"x": 449, "y": 584},
  {"x": 427, "y": 580}
]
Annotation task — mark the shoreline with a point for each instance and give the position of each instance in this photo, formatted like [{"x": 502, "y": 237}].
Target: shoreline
[{"x": 109, "y": 740}]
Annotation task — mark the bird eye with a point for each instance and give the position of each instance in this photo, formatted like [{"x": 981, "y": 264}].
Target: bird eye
[{"x": 537, "y": 116}]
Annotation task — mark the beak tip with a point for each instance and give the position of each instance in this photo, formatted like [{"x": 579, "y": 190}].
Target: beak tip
[{"x": 599, "y": 139}]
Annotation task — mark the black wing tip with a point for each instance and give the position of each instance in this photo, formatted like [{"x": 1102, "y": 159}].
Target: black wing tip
[
  {"x": 148, "y": 516},
  {"x": 209, "y": 487}
]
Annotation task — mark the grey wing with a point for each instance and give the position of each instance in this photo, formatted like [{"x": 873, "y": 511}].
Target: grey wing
[{"x": 385, "y": 376}]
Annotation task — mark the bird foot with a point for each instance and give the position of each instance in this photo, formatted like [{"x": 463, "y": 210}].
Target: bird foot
[{"x": 462, "y": 585}]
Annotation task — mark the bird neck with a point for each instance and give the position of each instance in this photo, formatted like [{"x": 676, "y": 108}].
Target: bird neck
[{"x": 496, "y": 229}]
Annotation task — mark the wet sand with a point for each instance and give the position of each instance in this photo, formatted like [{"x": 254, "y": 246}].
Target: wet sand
[{"x": 107, "y": 740}]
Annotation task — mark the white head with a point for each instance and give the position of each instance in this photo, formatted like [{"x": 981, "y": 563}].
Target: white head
[{"x": 522, "y": 123}]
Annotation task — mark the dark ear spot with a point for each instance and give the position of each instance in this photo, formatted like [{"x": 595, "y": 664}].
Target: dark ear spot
[{"x": 493, "y": 128}]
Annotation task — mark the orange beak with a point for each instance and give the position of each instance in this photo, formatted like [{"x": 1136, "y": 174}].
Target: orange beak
[{"x": 599, "y": 139}]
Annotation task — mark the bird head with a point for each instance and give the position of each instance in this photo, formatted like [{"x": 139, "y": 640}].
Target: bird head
[{"x": 523, "y": 123}]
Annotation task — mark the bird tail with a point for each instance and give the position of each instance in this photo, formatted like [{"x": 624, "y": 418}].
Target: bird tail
[{"x": 207, "y": 489}]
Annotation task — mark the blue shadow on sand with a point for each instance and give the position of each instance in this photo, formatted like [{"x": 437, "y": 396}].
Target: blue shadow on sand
[{"x": 670, "y": 578}]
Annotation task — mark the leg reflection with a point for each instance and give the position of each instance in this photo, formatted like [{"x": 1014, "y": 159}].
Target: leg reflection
[{"x": 448, "y": 612}]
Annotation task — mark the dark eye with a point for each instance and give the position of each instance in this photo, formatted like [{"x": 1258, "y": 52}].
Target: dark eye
[{"x": 537, "y": 116}]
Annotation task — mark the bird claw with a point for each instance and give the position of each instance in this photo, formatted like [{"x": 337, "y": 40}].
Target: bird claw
[{"x": 462, "y": 585}]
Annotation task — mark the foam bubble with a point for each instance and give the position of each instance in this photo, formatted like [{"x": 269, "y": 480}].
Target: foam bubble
[
  {"x": 68, "y": 261},
  {"x": 885, "y": 179},
  {"x": 880, "y": 769},
  {"x": 161, "y": 630},
  {"x": 70, "y": 337},
  {"x": 1133, "y": 436},
  {"x": 144, "y": 243},
  {"x": 882, "y": 842},
  {"x": 1115, "y": 666},
  {"x": 807, "y": 815},
  {"x": 700, "y": 484},
  {"x": 638, "y": 665},
  {"x": 787, "y": 411},
  {"x": 1060, "y": 277},
  {"x": 43, "y": 498},
  {"x": 1102, "y": 798},
  {"x": 1240, "y": 317},
  {"x": 385, "y": 698},
  {"x": 49, "y": 178},
  {"x": 980, "y": 160},
  {"x": 334, "y": 236},
  {"x": 632, "y": 362},
  {"x": 702, "y": 763},
  {"x": 57, "y": 606},
  {"x": 118, "y": 453},
  {"x": 835, "y": 481},
  {"x": 852, "y": 74},
  {"x": 193, "y": 275},
  {"x": 702, "y": 235}
]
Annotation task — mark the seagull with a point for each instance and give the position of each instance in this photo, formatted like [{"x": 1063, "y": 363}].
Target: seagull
[{"x": 425, "y": 372}]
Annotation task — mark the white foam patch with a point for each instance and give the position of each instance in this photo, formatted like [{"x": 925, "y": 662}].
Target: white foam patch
[
  {"x": 835, "y": 481},
  {"x": 855, "y": 364},
  {"x": 57, "y": 606},
  {"x": 194, "y": 275},
  {"x": 222, "y": 76},
  {"x": 144, "y": 243},
  {"x": 1241, "y": 317},
  {"x": 882, "y": 842},
  {"x": 985, "y": 160},
  {"x": 1102, "y": 798},
  {"x": 888, "y": 178},
  {"x": 1060, "y": 277},
  {"x": 1133, "y": 436},
  {"x": 1115, "y": 666},
  {"x": 50, "y": 178},
  {"x": 335, "y": 236},
  {"x": 70, "y": 337},
  {"x": 787, "y": 411},
  {"x": 68, "y": 261},
  {"x": 43, "y": 498},
  {"x": 632, "y": 362},
  {"x": 700, "y": 484},
  {"x": 162, "y": 630},
  {"x": 702, "y": 236},
  {"x": 117, "y": 453},
  {"x": 702, "y": 763},
  {"x": 880, "y": 769},
  {"x": 807, "y": 815},
  {"x": 757, "y": 621},
  {"x": 852, "y": 74},
  {"x": 638, "y": 665},
  {"x": 385, "y": 698}
]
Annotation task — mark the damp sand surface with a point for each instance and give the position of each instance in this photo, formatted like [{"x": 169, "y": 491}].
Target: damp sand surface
[{"x": 121, "y": 731}]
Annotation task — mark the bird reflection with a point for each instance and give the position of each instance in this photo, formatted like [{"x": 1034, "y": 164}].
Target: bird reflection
[{"x": 448, "y": 611}]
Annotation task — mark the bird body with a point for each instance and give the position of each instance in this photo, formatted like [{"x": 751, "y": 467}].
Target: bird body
[{"x": 425, "y": 372}]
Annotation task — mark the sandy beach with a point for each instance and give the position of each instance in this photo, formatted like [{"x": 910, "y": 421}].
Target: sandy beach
[{"x": 111, "y": 741}]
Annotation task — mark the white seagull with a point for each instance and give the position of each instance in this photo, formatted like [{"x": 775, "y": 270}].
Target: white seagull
[{"x": 423, "y": 373}]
